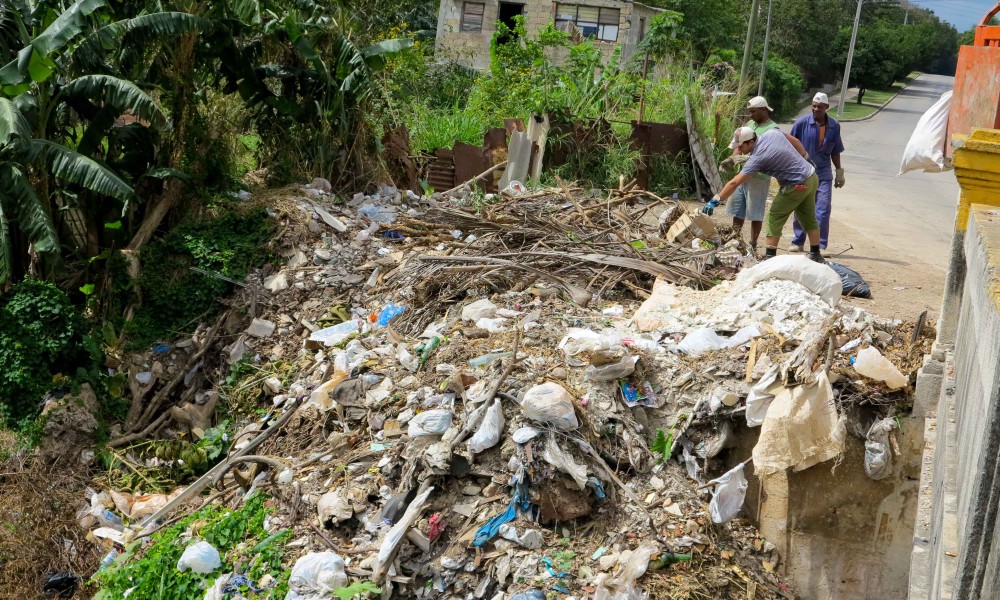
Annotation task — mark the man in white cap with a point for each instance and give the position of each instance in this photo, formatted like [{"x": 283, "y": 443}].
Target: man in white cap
[
  {"x": 781, "y": 156},
  {"x": 820, "y": 134},
  {"x": 750, "y": 200}
]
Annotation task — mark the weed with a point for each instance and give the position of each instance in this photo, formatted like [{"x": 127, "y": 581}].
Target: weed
[{"x": 239, "y": 536}]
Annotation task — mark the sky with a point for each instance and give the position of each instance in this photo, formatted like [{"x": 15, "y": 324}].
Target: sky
[{"x": 963, "y": 14}]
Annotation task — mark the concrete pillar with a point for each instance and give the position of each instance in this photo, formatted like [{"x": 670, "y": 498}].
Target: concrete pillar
[{"x": 977, "y": 168}]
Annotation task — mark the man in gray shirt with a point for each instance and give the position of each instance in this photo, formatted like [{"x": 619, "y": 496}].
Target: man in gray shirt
[{"x": 783, "y": 157}]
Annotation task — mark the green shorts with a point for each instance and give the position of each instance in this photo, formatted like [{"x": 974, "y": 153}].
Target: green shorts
[{"x": 790, "y": 200}]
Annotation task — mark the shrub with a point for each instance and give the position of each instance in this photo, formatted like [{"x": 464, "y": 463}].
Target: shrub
[
  {"x": 783, "y": 85},
  {"x": 41, "y": 332}
]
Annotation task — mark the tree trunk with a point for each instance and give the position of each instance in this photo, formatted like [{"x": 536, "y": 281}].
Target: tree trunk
[{"x": 861, "y": 94}]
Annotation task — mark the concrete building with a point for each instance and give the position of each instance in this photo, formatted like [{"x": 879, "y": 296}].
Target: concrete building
[{"x": 466, "y": 28}]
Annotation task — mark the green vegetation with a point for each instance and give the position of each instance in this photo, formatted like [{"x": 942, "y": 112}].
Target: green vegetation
[{"x": 239, "y": 536}]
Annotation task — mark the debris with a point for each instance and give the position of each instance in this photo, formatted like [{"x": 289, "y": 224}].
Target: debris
[
  {"x": 334, "y": 507},
  {"x": 488, "y": 434},
  {"x": 691, "y": 226},
  {"x": 200, "y": 557},
  {"x": 261, "y": 328},
  {"x": 431, "y": 422},
  {"x": 276, "y": 283},
  {"x": 390, "y": 543},
  {"x": 480, "y": 309},
  {"x": 872, "y": 364},
  {"x": 531, "y": 538}
]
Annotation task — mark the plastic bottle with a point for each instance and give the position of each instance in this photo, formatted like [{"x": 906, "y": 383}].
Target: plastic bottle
[
  {"x": 482, "y": 361},
  {"x": 109, "y": 558}
]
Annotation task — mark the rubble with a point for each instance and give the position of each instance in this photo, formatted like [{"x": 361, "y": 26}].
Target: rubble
[{"x": 480, "y": 413}]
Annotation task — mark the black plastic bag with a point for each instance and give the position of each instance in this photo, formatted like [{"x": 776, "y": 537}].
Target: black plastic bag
[
  {"x": 61, "y": 585},
  {"x": 854, "y": 284}
]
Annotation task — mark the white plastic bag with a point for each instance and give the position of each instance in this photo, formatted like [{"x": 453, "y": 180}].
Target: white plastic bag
[
  {"x": 215, "y": 592},
  {"x": 562, "y": 460},
  {"x": 872, "y": 364},
  {"x": 926, "y": 147},
  {"x": 815, "y": 277},
  {"x": 430, "y": 422},
  {"x": 200, "y": 557},
  {"x": 550, "y": 403},
  {"x": 761, "y": 396},
  {"x": 331, "y": 336},
  {"x": 492, "y": 325},
  {"x": 393, "y": 537},
  {"x": 316, "y": 576},
  {"x": 480, "y": 309},
  {"x": 727, "y": 498},
  {"x": 702, "y": 340},
  {"x": 634, "y": 564},
  {"x": 488, "y": 434},
  {"x": 612, "y": 371},
  {"x": 878, "y": 456},
  {"x": 531, "y": 538},
  {"x": 334, "y": 507}
]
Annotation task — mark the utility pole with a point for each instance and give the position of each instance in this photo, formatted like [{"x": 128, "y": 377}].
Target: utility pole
[
  {"x": 748, "y": 48},
  {"x": 767, "y": 42},
  {"x": 850, "y": 58}
]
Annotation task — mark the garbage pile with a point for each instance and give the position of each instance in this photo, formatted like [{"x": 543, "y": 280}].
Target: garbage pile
[{"x": 537, "y": 397}]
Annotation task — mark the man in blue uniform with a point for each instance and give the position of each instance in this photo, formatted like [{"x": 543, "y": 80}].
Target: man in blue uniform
[{"x": 820, "y": 134}]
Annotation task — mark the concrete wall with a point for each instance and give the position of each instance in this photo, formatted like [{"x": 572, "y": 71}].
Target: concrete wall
[
  {"x": 956, "y": 550},
  {"x": 473, "y": 48}
]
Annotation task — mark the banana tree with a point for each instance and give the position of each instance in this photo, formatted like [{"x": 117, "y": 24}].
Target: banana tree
[{"x": 57, "y": 119}]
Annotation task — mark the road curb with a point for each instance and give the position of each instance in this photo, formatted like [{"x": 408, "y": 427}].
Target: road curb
[{"x": 885, "y": 104}]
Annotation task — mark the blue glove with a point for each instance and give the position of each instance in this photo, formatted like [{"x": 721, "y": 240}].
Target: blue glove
[{"x": 709, "y": 208}]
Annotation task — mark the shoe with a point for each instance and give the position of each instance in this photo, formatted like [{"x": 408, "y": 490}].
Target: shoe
[
  {"x": 817, "y": 257},
  {"x": 796, "y": 248}
]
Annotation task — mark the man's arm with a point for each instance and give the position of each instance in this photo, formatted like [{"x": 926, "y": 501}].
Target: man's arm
[
  {"x": 836, "y": 160},
  {"x": 730, "y": 188},
  {"x": 798, "y": 146}
]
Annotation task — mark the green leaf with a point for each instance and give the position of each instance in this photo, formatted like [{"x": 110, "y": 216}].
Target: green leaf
[
  {"x": 81, "y": 170},
  {"x": 6, "y": 248},
  {"x": 12, "y": 122},
  {"x": 88, "y": 289},
  {"x": 28, "y": 210},
  {"x": 660, "y": 446},
  {"x": 40, "y": 67},
  {"x": 68, "y": 25},
  {"x": 165, "y": 173},
  {"x": 356, "y": 589},
  {"x": 120, "y": 94},
  {"x": 113, "y": 226}
]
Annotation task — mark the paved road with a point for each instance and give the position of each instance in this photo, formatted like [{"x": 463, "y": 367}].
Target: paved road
[{"x": 900, "y": 226}]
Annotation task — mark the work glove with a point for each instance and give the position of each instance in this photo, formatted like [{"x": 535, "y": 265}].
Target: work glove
[
  {"x": 710, "y": 207},
  {"x": 839, "y": 181}
]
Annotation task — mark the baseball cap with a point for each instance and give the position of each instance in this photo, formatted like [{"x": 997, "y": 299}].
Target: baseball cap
[
  {"x": 821, "y": 98},
  {"x": 743, "y": 134},
  {"x": 759, "y": 102}
]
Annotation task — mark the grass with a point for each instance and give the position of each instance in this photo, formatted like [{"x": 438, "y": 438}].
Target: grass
[{"x": 853, "y": 110}]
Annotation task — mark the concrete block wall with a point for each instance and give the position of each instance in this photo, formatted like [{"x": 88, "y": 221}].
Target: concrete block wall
[{"x": 473, "y": 48}]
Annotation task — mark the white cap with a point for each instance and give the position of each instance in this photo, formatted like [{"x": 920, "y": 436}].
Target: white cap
[
  {"x": 821, "y": 98},
  {"x": 759, "y": 102},
  {"x": 743, "y": 134}
]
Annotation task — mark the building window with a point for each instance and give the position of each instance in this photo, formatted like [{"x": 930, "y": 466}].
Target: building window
[
  {"x": 472, "y": 16},
  {"x": 592, "y": 21}
]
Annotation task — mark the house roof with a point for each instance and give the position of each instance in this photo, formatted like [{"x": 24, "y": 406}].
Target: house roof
[{"x": 650, "y": 7}]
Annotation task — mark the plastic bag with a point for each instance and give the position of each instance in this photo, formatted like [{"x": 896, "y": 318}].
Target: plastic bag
[
  {"x": 492, "y": 325},
  {"x": 316, "y": 576},
  {"x": 550, "y": 403},
  {"x": 430, "y": 422},
  {"x": 393, "y": 537},
  {"x": 761, "y": 396},
  {"x": 926, "y": 148},
  {"x": 334, "y": 507},
  {"x": 702, "y": 340},
  {"x": 878, "y": 457},
  {"x": 530, "y": 539},
  {"x": 612, "y": 371},
  {"x": 873, "y": 365},
  {"x": 480, "y": 309},
  {"x": 200, "y": 557},
  {"x": 634, "y": 564},
  {"x": 488, "y": 434},
  {"x": 727, "y": 498},
  {"x": 560, "y": 459},
  {"x": 216, "y": 591},
  {"x": 817, "y": 278},
  {"x": 331, "y": 336},
  {"x": 851, "y": 282}
]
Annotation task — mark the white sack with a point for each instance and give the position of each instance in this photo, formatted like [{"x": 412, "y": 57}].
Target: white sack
[
  {"x": 761, "y": 396},
  {"x": 430, "y": 422},
  {"x": 334, "y": 507},
  {"x": 802, "y": 428},
  {"x": 926, "y": 147},
  {"x": 818, "y": 279}
]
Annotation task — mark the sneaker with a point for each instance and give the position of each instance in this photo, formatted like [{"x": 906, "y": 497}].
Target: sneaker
[
  {"x": 817, "y": 257},
  {"x": 796, "y": 248}
]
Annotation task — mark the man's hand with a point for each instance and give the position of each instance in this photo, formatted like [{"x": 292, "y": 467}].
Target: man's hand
[
  {"x": 839, "y": 181},
  {"x": 709, "y": 208}
]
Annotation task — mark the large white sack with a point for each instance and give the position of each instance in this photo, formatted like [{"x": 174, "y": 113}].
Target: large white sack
[
  {"x": 316, "y": 576},
  {"x": 550, "y": 403},
  {"x": 815, "y": 277},
  {"x": 926, "y": 147}
]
